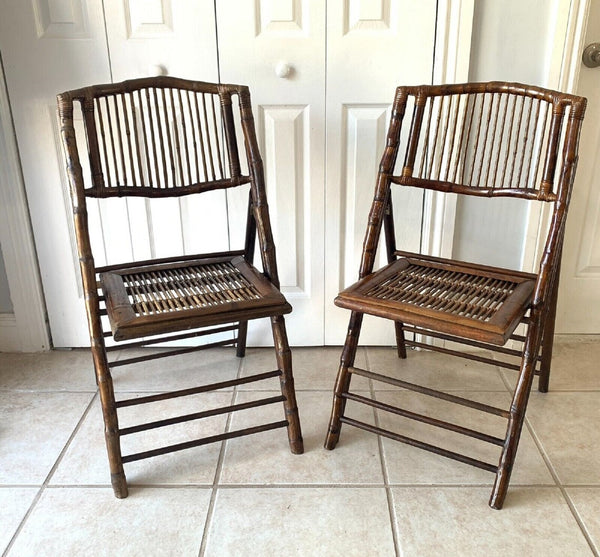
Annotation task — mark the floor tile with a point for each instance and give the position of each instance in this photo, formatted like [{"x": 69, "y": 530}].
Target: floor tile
[
  {"x": 86, "y": 462},
  {"x": 269, "y": 501},
  {"x": 301, "y": 521},
  {"x": 57, "y": 370},
  {"x": 587, "y": 502},
  {"x": 34, "y": 428},
  {"x": 313, "y": 368},
  {"x": 457, "y": 521},
  {"x": 410, "y": 465},
  {"x": 177, "y": 372},
  {"x": 14, "y": 503},
  {"x": 575, "y": 364},
  {"x": 89, "y": 521},
  {"x": 567, "y": 426},
  {"x": 265, "y": 458},
  {"x": 435, "y": 370}
]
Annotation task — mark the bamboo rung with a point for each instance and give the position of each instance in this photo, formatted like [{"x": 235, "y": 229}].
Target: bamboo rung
[
  {"x": 425, "y": 419},
  {"x": 420, "y": 444},
  {"x": 171, "y": 338},
  {"x": 204, "y": 441},
  {"x": 201, "y": 415},
  {"x": 430, "y": 392},
  {"x": 196, "y": 390},
  {"x": 157, "y": 356}
]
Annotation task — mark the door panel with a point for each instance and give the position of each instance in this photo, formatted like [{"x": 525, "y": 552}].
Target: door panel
[
  {"x": 285, "y": 142},
  {"x": 579, "y": 294},
  {"x": 372, "y": 47},
  {"x": 283, "y": 62}
]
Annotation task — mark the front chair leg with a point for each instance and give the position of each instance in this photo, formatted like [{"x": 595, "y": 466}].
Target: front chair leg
[
  {"x": 284, "y": 363},
  {"x": 111, "y": 423},
  {"x": 515, "y": 422},
  {"x": 342, "y": 383}
]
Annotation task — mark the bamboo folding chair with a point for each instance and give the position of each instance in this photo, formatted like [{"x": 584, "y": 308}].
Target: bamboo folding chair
[
  {"x": 160, "y": 138},
  {"x": 483, "y": 139}
]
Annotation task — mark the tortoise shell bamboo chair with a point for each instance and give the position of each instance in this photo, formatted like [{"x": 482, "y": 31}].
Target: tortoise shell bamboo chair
[
  {"x": 482, "y": 139},
  {"x": 160, "y": 138}
]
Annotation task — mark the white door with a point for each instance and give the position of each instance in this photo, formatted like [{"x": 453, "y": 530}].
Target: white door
[
  {"x": 579, "y": 292},
  {"x": 322, "y": 97},
  {"x": 49, "y": 46},
  {"x": 372, "y": 47},
  {"x": 53, "y": 45},
  {"x": 278, "y": 48}
]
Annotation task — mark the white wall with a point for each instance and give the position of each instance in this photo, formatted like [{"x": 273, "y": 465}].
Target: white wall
[{"x": 511, "y": 42}]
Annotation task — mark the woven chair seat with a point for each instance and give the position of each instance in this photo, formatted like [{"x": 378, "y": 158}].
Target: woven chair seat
[
  {"x": 177, "y": 295},
  {"x": 484, "y": 303}
]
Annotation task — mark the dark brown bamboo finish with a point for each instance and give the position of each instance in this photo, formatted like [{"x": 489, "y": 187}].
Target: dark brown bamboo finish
[
  {"x": 484, "y": 139},
  {"x": 163, "y": 137}
]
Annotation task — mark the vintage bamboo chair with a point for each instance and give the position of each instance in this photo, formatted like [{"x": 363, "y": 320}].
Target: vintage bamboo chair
[
  {"x": 166, "y": 137},
  {"x": 484, "y": 139}
]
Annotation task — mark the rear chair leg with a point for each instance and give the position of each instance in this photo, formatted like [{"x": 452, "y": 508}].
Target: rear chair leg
[
  {"x": 342, "y": 383},
  {"x": 400, "y": 344},
  {"x": 111, "y": 423},
  {"x": 241, "y": 339},
  {"x": 547, "y": 344},
  {"x": 284, "y": 363}
]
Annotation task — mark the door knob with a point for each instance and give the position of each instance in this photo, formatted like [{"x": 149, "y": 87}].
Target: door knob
[
  {"x": 591, "y": 55},
  {"x": 157, "y": 70},
  {"x": 283, "y": 70}
]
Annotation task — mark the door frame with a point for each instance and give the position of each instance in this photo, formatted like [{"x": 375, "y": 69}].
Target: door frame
[
  {"x": 26, "y": 329},
  {"x": 563, "y": 75}
]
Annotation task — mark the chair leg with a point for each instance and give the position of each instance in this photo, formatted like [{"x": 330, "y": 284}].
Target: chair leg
[
  {"x": 111, "y": 423},
  {"x": 342, "y": 383},
  {"x": 284, "y": 363},
  {"x": 241, "y": 339},
  {"x": 517, "y": 417},
  {"x": 547, "y": 344},
  {"x": 400, "y": 344}
]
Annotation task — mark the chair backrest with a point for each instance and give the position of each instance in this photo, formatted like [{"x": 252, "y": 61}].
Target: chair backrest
[
  {"x": 485, "y": 139},
  {"x": 163, "y": 137},
  {"x": 160, "y": 136}
]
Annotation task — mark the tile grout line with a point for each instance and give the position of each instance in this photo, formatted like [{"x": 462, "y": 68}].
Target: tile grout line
[
  {"x": 301, "y": 486},
  {"x": 218, "y": 470},
  {"x": 578, "y": 519},
  {"x": 386, "y": 484},
  {"x": 44, "y": 485}
]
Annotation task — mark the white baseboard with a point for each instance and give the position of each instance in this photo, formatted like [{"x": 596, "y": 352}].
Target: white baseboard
[{"x": 9, "y": 334}]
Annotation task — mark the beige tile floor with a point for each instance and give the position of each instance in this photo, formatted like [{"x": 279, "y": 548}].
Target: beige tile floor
[{"x": 251, "y": 496}]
